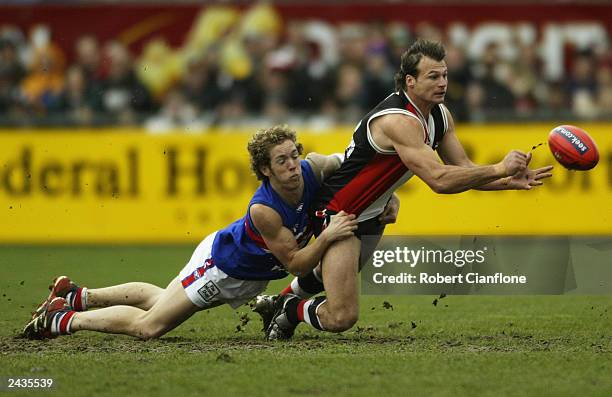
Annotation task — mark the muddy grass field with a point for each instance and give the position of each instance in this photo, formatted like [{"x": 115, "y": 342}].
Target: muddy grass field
[{"x": 402, "y": 345}]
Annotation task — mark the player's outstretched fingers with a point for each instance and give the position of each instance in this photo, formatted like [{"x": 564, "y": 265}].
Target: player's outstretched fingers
[{"x": 543, "y": 172}]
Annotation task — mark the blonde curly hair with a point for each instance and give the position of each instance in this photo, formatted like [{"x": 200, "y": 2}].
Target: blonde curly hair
[{"x": 265, "y": 139}]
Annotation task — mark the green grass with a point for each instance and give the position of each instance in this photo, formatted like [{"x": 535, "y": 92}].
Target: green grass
[{"x": 466, "y": 345}]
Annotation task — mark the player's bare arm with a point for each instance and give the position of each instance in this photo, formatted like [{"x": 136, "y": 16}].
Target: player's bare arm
[
  {"x": 451, "y": 152},
  {"x": 405, "y": 135},
  {"x": 281, "y": 241},
  {"x": 323, "y": 166}
]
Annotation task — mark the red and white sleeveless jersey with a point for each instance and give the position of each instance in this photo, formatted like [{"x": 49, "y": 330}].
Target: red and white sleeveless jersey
[{"x": 369, "y": 174}]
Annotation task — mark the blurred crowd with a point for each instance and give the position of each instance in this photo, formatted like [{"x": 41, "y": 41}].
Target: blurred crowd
[{"x": 251, "y": 67}]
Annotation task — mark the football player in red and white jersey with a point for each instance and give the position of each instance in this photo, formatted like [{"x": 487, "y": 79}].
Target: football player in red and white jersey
[{"x": 399, "y": 138}]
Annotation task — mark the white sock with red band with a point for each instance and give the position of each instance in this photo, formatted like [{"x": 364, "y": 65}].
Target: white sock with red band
[
  {"x": 61, "y": 322},
  {"x": 306, "y": 311}
]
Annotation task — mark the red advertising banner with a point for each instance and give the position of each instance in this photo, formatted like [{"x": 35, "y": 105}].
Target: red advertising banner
[{"x": 134, "y": 24}]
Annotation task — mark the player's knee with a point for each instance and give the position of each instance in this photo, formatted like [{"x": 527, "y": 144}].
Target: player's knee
[
  {"x": 150, "y": 330},
  {"x": 150, "y": 302},
  {"x": 147, "y": 333},
  {"x": 344, "y": 320}
]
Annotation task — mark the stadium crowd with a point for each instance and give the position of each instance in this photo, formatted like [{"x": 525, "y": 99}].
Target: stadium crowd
[{"x": 256, "y": 69}]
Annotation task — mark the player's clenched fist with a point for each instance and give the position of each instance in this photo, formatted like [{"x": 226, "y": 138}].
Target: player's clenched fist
[
  {"x": 341, "y": 226},
  {"x": 515, "y": 162}
]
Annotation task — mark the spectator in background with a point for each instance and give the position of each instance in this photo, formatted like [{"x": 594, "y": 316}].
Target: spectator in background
[
  {"x": 242, "y": 57},
  {"x": 15, "y": 36},
  {"x": 475, "y": 98},
  {"x": 377, "y": 78},
  {"x": 45, "y": 79},
  {"x": 555, "y": 105},
  {"x": 398, "y": 38},
  {"x": 177, "y": 114},
  {"x": 459, "y": 78},
  {"x": 232, "y": 111},
  {"x": 378, "y": 75},
  {"x": 273, "y": 80},
  {"x": 158, "y": 68},
  {"x": 524, "y": 83},
  {"x": 604, "y": 101},
  {"x": 11, "y": 73},
  {"x": 582, "y": 86},
  {"x": 309, "y": 56},
  {"x": 198, "y": 84},
  {"x": 352, "y": 43},
  {"x": 123, "y": 95},
  {"x": 87, "y": 50},
  {"x": 492, "y": 74},
  {"x": 244, "y": 65},
  {"x": 604, "y": 88},
  {"x": 240, "y": 92},
  {"x": 428, "y": 31},
  {"x": 78, "y": 101},
  {"x": 350, "y": 96},
  {"x": 274, "y": 111}
]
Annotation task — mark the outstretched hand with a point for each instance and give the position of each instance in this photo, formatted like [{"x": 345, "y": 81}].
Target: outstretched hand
[{"x": 528, "y": 179}]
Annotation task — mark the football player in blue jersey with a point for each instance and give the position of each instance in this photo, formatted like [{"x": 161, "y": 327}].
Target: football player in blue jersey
[{"x": 230, "y": 266}]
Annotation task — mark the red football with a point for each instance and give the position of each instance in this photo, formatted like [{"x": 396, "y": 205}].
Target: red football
[{"x": 573, "y": 147}]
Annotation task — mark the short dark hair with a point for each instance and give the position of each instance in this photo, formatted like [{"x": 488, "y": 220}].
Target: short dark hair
[
  {"x": 265, "y": 139},
  {"x": 410, "y": 59}
]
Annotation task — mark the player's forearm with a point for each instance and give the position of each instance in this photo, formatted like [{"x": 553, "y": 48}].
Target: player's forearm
[
  {"x": 307, "y": 258},
  {"x": 324, "y": 166},
  {"x": 499, "y": 184},
  {"x": 454, "y": 179}
]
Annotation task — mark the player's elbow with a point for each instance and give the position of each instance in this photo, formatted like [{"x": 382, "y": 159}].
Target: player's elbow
[
  {"x": 296, "y": 269},
  {"x": 444, "y": 188},
  {"x": 439, "y": 183},
  {"x": 436, "y": 186}
]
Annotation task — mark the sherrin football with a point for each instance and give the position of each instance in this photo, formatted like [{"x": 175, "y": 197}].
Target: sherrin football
[{"x": 573, "y": 147}]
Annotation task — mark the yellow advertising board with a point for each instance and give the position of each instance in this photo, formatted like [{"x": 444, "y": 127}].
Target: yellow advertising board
[{"x": 128, "y": 186}]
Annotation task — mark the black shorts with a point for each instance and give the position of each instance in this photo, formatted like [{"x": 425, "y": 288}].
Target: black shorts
[{"x": 371, "y": 228}]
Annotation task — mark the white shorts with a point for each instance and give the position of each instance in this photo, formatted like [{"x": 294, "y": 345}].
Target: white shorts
[{"x": 208, "y": 286}]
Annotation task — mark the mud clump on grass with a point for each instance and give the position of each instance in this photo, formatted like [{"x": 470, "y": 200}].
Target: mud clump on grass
[{"x": 225, "y": 358}]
